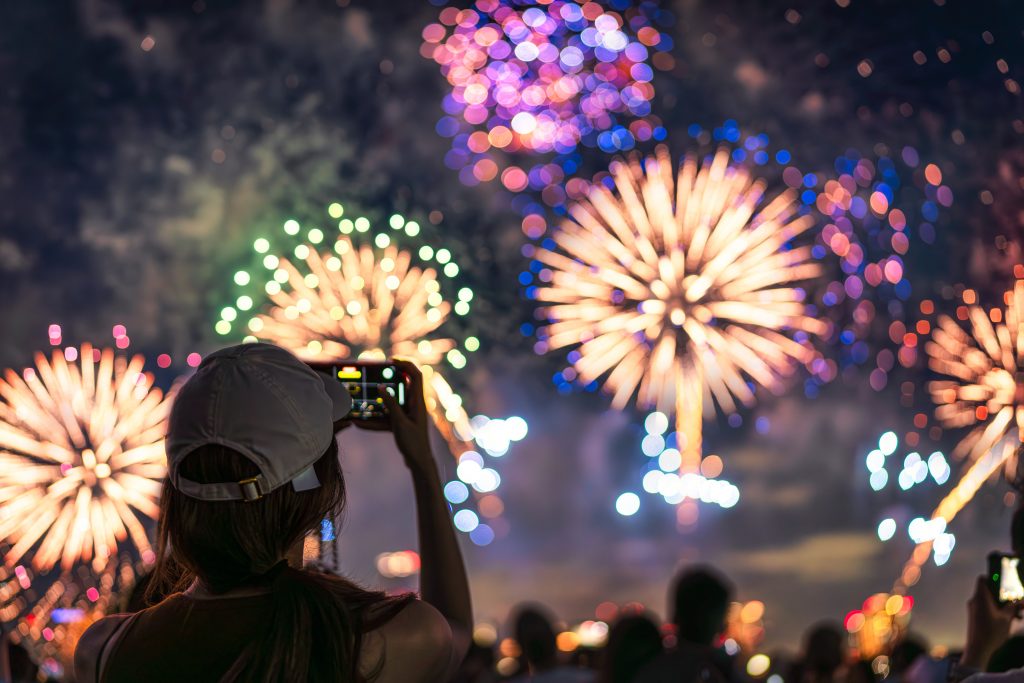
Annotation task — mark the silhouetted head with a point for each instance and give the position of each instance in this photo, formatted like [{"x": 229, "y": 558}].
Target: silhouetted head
[
  {"x": 536, "y": 637},
  {"x": 252, "y": 463},
  {"x": 824, "y": 649},
  {"x": 905, "y": 653},
  {"x": 632, "y": 642},
  {"x": 701, "y": 598},
  {"x": 228, "y": 544}
]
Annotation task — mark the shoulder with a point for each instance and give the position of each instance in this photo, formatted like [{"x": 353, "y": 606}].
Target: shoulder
[
  {"x": 99, "y": 641},
  {"x": 1011, "y": 676},
  {"x": 414, "y": 645},
  {"x": 418, "y": 624},
  {"x": 92, "y": 644}
]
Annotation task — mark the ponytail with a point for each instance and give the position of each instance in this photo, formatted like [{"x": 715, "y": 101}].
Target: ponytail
[{"x": 315, "y": 630}]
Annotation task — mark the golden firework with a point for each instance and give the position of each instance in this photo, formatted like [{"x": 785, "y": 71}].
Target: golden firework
[
  {"x": 983, "y": 366},
  {"x": 368, "y": 300},
  {"x": 81, "y": 458},
  {"x": 983, "y": 391},
  {"x": 680, "y": 288}
]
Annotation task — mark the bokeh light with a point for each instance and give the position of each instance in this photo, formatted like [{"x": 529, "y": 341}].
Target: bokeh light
[
  {"x": 663, "y": 460},
  {"x": 875, "y": 207},
  {"x": 544, "y": 77},
  {"x": 627, "y": 504},
  {"x": 906, "y": 472},
  {"x": 881, "y": 621}
]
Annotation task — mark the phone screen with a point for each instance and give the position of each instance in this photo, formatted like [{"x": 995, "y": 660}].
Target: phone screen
[
  {"x": 1010, "y": 587},
  {"x": 362, "y": 379}
]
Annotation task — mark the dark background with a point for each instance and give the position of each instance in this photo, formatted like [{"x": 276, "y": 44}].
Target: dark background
[{"x": 132, "y": 182}]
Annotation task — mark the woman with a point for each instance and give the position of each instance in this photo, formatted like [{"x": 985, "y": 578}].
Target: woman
[{"x": 252, "y": 469}]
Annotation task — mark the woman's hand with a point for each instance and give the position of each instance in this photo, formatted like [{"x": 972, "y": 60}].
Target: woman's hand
[
  {"x": 408, "y": 423},
  {"x": 443, "y": 581},
  {"x": 988, "y": 625}
]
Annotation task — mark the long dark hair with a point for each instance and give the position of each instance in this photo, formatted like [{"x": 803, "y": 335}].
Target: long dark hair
[{"x": 318, "y": 620}]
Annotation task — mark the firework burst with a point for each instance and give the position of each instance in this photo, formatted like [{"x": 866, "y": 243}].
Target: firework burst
[
  {"x": 370, "y": 301},
  {"x": 81, "y": 457},
  {"x": 984, "y": 366},
  {"x": 679, "y": 289},
  {"x": 363, "y": 296},
  {"x": 982, "y": 392}
]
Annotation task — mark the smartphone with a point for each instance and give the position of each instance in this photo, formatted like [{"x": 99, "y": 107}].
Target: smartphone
[
  {"x": 362, "y": 379},
  {"x": 1004, "y": 577}
]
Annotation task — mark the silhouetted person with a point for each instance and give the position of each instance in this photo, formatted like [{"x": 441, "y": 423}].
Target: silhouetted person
[
  {"x": 253, "y": 469},
  {"x": 824, "y": 654},
  {"x": 633, "y": 642},
  {"x": 904, "y": 654},
  {"x": 539, "y": 652},
  {"x": 699, "y": 604}
]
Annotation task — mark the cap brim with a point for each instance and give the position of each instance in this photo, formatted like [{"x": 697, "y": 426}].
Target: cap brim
[{"x": 338, "y": 393}]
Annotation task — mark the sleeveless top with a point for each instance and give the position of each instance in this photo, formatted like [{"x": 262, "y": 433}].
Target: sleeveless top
[{"x": 182, "y": 638}]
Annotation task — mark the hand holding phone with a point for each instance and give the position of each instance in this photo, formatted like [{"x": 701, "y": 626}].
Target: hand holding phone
[
  {"x": 988, "y": 616},
  {"x": 1004, "y": 578},
  {"x": 366, "y": 381},
  {"x": 388, "y": 396}
]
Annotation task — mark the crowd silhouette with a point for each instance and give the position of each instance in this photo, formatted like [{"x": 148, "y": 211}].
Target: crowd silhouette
[{"x": 253, "y": 468}]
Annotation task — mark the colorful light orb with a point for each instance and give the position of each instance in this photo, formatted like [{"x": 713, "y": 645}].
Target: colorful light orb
[
  {"x": 542, "y": 78},
  {"x": 81, "y": 458},
  {"x": 895, "y": 467},
  {"x": 882, "y": 620},
  {"x": 744, "y": 627},
  {"x": 661, "y": 477},
  {"x": 1004, "y": 193},
  {"x": 890, "y": 467},
  {"x": 875, "y": 207},
  {"x": 753, "y": 150},
  {"x": 680, "y": 291},
  {"x": 358, "y": 294},
  {"x": 47, "y": 614}
]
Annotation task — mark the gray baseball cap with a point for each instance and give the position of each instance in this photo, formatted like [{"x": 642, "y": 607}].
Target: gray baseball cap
[{"x": 263, "y": 402}]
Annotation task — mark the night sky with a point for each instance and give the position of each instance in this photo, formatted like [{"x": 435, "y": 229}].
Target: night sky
[{"x": 145, "y": 145}]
